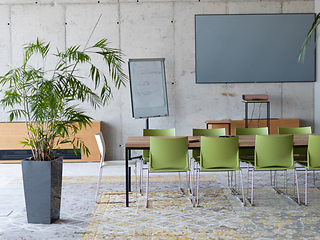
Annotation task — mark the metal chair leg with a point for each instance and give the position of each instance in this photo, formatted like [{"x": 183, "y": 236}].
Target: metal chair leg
[
  {"x": 194, "y": 174},
  {"x": 98, "y": 184},
  {"x": 242, "y": 189},
  {"x": 296, "y": 176},
  {"x": 314, "y": 178},
  {"x": 180, "y": 184},
  {"x": 285, "y": 180},
  {"x": 136, "y": 180},
  {"x": 147, "y": 189},
  {"x": 248, "y": 178},
  {"x": 191, "y": 187},
  {"x": 252, "y": 185},
  {"x": 188, "y": 182},
  {"x": 306, "y": 188},
  {"x": 141, "y": 177},
  {"x": 235, "y": 181},
  {"x": 198, "y": 179}
]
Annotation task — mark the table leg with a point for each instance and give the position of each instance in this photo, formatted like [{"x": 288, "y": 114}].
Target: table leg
[
  {"x": 246, "y": 114},
  {"x": 127, "y": 176},
  {"x": 129, "y": 179}
]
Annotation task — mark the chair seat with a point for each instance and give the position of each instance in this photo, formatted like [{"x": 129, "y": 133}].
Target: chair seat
[
  {"x": 300, "y": 157},
  {"x": 305, "y": 164},
  {"x": 302, "y": 162},
  {"x": 247, "y": 158},
  {"x": 271, "y": 167},
  {"x": 118, "y": 163}
]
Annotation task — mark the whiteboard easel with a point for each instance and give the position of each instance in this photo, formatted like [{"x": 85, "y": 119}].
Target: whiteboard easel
[{"x": 148, "y": 88}]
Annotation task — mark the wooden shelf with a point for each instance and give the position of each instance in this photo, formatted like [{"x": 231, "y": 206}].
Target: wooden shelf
[{"x": 13, "y": 133}]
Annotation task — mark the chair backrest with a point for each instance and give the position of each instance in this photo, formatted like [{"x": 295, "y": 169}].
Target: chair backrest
[
  {"x": 205, "y": 132},
  {"x": 208, "y": 132},
  {"x": 159, "y": 132},
  {"x": 252, "y": 131},
  {"x": 274, "y": 152},
  {"x": 313, "y": 152},
  {"x": 248, "y": 153},
  {"x": 169, "y": 154},
  {"x": 219, "y": 154},
  {"x": 296, "y": 130},
  {"x": 156, "y": 132},
  {"x": 101, "y": 145}
]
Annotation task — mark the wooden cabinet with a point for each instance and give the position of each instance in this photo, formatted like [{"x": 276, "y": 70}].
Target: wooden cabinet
[
  {"x": 233, "y": 124},
  {"x": 13, "y": 133},
  {"x": 226, "y": 124}
]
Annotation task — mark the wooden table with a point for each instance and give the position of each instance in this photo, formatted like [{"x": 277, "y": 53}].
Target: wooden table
[{"x": 143, "y": 142}]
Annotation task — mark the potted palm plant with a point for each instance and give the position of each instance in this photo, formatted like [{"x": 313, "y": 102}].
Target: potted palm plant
[{"x": 48, "y": 99}]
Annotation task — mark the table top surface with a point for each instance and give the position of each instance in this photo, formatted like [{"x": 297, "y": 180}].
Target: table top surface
[{"x": 141, "y": 142}]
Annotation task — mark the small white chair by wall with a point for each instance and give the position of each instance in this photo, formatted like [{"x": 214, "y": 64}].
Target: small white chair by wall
[{"x": 108, "y": 163}]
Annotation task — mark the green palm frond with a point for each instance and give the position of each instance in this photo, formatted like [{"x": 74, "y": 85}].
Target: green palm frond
[{"x": 312, "y": 30}]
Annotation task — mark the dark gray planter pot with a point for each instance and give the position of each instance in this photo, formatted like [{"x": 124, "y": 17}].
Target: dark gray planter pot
[{"x": 42, "y": 182}]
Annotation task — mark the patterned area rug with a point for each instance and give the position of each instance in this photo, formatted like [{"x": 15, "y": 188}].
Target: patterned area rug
[
  {"x": 220, "y": 215},
  {"x": 170, "y": 215}
]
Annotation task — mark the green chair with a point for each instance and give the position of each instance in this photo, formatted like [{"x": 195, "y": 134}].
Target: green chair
[
  {"x": 205, "y": 132},
  {"x": 313, "y": 161},
  {"x": 274, "y": 153},
  {"x": 145, "y": 153},
  {"x": 247, "y": 154},
  {"x": 300, "y": 153},
  {"x": 156, "y": 132},
  {"x": 168, "y": 154},
  {"x": 196, "y": 152},
  {"x": 219, "y": 154}
]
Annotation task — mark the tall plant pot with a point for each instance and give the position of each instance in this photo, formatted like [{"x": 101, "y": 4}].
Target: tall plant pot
[{"x": 42, "y": 182}]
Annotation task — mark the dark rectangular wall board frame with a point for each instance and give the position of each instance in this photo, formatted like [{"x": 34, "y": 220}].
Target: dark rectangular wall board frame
[{"x": 253, "y": 48}]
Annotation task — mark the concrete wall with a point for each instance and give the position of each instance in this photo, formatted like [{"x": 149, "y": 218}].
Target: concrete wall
[{"x": 155, "y": 29}]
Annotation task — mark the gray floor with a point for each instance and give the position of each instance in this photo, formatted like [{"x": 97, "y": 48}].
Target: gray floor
[{"x": 77, "y": 203}]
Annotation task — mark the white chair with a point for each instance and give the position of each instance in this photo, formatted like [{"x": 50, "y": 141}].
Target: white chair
[{"x": 108, "y": 163}]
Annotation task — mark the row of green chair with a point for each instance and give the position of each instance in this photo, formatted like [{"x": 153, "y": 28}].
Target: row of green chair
[
  {"x": 270, "y": 153},
  {"x": 218, "y": 158},
  {"x": 171, "y": 154}
]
